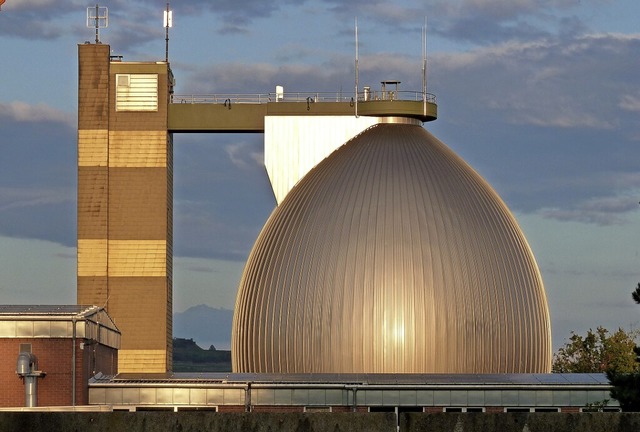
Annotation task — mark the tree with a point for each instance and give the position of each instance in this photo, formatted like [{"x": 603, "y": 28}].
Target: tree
[
  {"x": 626, "y": 386},
  {"x": 626, "y": 390},
  {"x": 598, "y": 351},
  {"x": 635, "y": 295}
]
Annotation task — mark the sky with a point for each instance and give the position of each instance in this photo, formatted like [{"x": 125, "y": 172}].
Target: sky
[{"x": 541, "y": 97}]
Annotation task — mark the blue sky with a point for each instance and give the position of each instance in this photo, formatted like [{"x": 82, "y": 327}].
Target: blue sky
[{"x": 541, "y": 97}]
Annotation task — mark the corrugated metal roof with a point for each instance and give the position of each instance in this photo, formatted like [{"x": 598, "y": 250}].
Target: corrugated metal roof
[
  {"x": 435, "y": 380},
  {"x": 59, "y": 321},
  {"x": 48, "y": 310}
]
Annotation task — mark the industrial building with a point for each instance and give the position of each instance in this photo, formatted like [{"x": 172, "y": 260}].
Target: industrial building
[
  {"x": 401, "y": 259},
  {"x": 50, "y": 352},
  {"x": 415, "y": 288},
  {"x": 430, "y": 393}
]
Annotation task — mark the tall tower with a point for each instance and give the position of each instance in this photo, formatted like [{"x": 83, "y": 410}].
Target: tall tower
[{"x": 125, "y": 202}]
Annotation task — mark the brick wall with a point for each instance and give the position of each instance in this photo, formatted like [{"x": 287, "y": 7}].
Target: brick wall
[
  {"x": 570, "y": 409},
  {"x": 494, "y": 409},
  {"x": 55, "y": 359},
  {"x": 435, "y": 409},
  {"x": 341, "y": 409},
  {"x": 231, "y": 408}
]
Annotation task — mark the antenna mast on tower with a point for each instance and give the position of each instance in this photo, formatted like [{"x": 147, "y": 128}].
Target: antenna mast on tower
[
  {"x": 357, "y": 88},
  {"x": 424, "y": 66},
  {"x": 97, "y": 17},
  {"x": 168, "y": 22}
]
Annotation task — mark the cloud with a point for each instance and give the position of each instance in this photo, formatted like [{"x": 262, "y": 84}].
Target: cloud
[
  {"x": 130, "y": 24},
  {"x": 37, "y": 172},
  {"x": 23, "y": 112},
  {"x": 44, "y": 213},
  {"x": 244, "y": 156},
  {"x": 491, "y": 21},
  {"x": 503, "y": 9},
  {"x": 133, "y": 24},
  {"x": 131, "y": 30},
  {"x": 477, "y": 22},
  {"x": 34, "y": 6},
  {"x": 201, "y": 230},
  {"x": 390, "y": 14},
  {"x": 549, "y": 82},
  {"x": 232, "y": 16},
  {"x": 38, "y": 19},
  {"x": 201, "y": 269},
  {"x": 630, "y": 102},
  {"x": 17, "y": 197},
  {"x": 479, "y": 30},
  {"x": 527, "y": 115},
  {"x": 551, "y": 123},
  {"x": 262, "y": 78},
  {"x": 31, "y": 29},
  {"x": 222, "y": 195},
  {"x": 600, "y": 211}
]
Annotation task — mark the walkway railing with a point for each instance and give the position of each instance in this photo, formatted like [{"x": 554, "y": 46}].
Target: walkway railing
[
  {"x": 222, "y": 98},
  {"x": 260, "y": 98}
]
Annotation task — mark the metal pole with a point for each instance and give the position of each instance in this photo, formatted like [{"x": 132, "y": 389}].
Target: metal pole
[
  {"x": 424, "y": 67},
  {"x": 247, "y": 397},
  {"x": 166, "y": 39},
  {"x": 73, "y": 363},
  {"x": 97, "y": 24},
  {"x": 355, "y": 399},
  {"x": 357, "y": 88}
]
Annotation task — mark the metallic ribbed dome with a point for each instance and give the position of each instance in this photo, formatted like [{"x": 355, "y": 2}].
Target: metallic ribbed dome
[{"x": 391, "y": 256}]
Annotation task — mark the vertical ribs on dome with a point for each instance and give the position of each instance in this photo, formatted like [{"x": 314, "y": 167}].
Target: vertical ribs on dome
[{"x": 391, "y": 256}]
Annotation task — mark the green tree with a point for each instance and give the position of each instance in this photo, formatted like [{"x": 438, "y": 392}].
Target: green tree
[
  {"x": 626, "y": 390},
  {"x": 626, "y": 386},
  {"x": 635, "y": 295},
  {"x": 598, "y": 351}
]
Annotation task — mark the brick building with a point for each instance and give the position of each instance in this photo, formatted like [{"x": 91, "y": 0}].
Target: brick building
[{"x": 71, "y": 344}]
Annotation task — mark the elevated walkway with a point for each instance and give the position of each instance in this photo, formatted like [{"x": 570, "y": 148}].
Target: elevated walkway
[{"x": 247, "y": 112}]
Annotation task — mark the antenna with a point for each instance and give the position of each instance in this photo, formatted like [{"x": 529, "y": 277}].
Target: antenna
[
  {"x": 357, "y": 88},
  {"x": 168, "y": 22},
  {"x": 424, "y": 66},
  {"x": 97, "y": 17}
]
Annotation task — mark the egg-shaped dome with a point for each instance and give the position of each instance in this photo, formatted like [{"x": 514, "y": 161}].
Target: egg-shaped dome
[{"x": 391, "y": 256}]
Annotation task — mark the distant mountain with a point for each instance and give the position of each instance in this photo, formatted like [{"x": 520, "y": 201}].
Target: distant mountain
[
  {"x": 189, "y": 357},
  {"x": 205, "y": 325}
]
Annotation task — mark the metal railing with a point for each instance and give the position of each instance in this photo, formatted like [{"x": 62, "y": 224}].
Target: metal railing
[
  {"x": 391, "y": 95},
  {"x": 261, "y": 98},
  {"x": 258, "y": 98}
]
